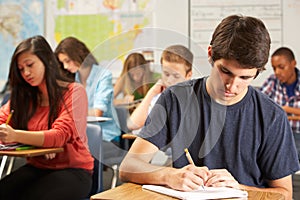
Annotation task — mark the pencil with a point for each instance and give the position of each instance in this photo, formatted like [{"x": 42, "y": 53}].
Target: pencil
[
  {"x": 9, "y": 117},
  {"x": 189, "y": 157},
  {"x": 24, "y": 148}
]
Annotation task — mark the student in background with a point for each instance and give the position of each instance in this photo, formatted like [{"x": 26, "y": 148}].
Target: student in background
[
  {"x": 236, "y": 136},
  {"x": 135, "y": 80},
  {"x": 284, "y": 87},
  {"x": 176, "y": 61},
  {"x": 97, "y": 81},
  {"x": 48, "y": 112}
]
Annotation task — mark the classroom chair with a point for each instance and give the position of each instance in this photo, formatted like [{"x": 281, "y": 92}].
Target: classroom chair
[
  {"x": 114, "y": 162},
  {"x": 94, "y": 135}
]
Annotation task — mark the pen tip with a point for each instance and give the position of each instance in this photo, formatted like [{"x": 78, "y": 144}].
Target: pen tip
[{"x": 186, "y": 150}]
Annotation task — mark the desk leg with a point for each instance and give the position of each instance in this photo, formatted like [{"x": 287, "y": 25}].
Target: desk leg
[
  {"x": 115, "y": 176},
  {"x": 11, "y": 162},
  {"x": 4, "y": 158}
]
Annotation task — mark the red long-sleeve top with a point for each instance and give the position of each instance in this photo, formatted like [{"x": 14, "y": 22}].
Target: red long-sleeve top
[{"x": 67, "y": 131}]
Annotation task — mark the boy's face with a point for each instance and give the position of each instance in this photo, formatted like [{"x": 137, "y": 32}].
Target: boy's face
[
  {"x": 173, "y": 73},
  {"x": 228, "y": 82},
  {"x": 284, "y": 69}
]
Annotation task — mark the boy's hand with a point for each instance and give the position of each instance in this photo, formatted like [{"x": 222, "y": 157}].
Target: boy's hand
[
  {"x": 221, "y": 178},
  {"x": 188, "y": 178},
  {"x": 157, "y": 88}
]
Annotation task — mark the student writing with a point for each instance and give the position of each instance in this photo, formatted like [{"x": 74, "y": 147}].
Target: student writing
[
  {"x": 236, "y": 136},
  {"x": 176, "y": 61},
  {"x": 135, "y": 80},
  {"x": 48, "y": 112},
  {"x": 76, "y": 58},
  {"x": 284, "y": 87}
]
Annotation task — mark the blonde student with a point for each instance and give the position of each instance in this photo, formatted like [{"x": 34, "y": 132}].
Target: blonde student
[
  {"x": 47, "y": 112},
  {"x": 135, "y": 80},
  {"x": 176, "y": 61},
  {"x": 236, "y": 136}
]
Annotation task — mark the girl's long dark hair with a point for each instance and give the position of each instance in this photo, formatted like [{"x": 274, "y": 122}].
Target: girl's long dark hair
[{"x": 24, "y": 97}]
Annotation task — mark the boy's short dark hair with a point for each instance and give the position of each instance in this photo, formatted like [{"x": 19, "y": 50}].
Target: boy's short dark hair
[
  {"x": 242, "y": 38},
  {"x": 286, "y": 52}
]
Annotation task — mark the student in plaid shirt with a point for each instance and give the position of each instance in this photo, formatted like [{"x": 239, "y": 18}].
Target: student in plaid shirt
[{"x": 284, "y": 87}]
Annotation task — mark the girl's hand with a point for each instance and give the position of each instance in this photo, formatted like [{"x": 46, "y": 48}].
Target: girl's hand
[
  {"x": 128, "y": 98},
  {"x": 7, "y": 134},
  {"x": 50, "y": 156}
]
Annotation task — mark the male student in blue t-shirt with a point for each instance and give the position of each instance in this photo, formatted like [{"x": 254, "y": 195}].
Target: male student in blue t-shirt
[
  {"x": 284, "y": 87},
  {"x": 236, "y": 136}
]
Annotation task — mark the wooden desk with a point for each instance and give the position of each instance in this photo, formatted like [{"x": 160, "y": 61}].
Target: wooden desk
[
  {"x": 31, "y": 152},
  {"x": 129, "y": 136},
  {"x": 294, "y": 117},
  {"x": 24, "y": 153},
  {"x": 130, "y": 191}
]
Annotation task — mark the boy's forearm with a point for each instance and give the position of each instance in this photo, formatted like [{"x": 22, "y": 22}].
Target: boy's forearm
[{"x": 143, "y": 173}]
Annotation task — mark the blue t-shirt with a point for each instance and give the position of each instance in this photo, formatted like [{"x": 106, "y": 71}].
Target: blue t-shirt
[
  {"x": 99, "y": 90},
  {"x": 290, "y": 89},
  {"x": 252, "y": 139}
]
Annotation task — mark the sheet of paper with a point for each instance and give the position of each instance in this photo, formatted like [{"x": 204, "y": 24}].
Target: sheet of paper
[
  {"x": 11, "y": 146},
  {"x": 206, "y": 193},
  {"x": 97, "y": 119}
]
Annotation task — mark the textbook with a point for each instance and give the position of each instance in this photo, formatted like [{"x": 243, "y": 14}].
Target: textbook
[
  {"x": 206, "y": 193},
  {"x": 14, "y": 146}
]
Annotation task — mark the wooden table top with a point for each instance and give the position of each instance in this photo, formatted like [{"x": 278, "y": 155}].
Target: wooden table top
[
  {"x": 31, "y": 152},
  {"x": 131, "y": 191},
  {"x": 294, "y": 117}
]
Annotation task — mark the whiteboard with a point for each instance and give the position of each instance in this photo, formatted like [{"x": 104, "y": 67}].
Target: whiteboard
[{"x": 279, "y": 17}]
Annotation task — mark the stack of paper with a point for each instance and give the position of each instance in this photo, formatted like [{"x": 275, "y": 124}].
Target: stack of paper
[{"x": 206, "y": 193}]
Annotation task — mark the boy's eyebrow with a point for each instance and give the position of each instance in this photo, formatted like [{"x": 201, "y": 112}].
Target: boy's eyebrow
[{"x": 221, "y": 66}]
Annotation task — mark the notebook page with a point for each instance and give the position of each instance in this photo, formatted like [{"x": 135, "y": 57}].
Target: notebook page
[{"x": 207, "y": 193}]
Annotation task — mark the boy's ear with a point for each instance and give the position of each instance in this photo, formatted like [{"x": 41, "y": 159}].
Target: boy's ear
[
  {"x": 189, "y": 75},
  {"x": 209, "y": 53},
  {"x": 294, "y": 63}
]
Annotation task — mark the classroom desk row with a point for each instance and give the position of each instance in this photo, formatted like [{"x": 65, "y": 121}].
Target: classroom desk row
[
  {"x": 38, "y": 151},
  {"x": 25, "y": 153},
  {"x": 130, "y": 191}
]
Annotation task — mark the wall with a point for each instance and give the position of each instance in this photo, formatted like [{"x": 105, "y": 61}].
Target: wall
[
  {"x": 278, "y": 16},
  {"x": 171, "y": 19}
]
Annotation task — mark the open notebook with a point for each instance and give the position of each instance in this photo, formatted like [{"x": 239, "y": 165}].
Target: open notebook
[{"x": 206, "y": 193}]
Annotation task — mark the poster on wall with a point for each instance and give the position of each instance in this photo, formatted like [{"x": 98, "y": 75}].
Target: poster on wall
[
  {"x": 19, "y": 19},
  {"x": 109, "y": 28}
]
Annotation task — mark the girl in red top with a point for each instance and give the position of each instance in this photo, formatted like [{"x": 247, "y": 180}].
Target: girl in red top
[{"x": 48, "y": 112}]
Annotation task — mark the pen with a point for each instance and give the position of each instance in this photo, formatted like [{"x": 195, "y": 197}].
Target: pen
[
  {"x": 9, "y": 117},
  {"x": 189, "y": 157},
  {"x": 24, "y": 148}
]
